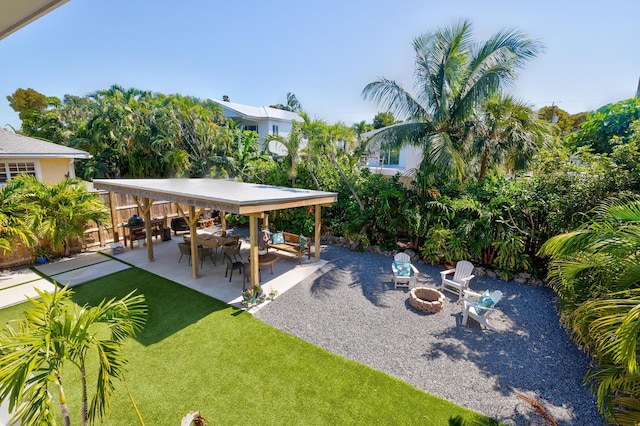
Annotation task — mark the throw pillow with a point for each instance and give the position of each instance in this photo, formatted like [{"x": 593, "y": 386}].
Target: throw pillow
[
  {"x": 485, "y": 301},
  {"x": 404, "y": 269},
  {"x": 277, "y": 238},
  {"x": 303, "y": 242}
]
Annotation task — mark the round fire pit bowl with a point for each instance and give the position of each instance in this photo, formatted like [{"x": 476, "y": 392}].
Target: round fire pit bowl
[{"x": 426, "y": 299}]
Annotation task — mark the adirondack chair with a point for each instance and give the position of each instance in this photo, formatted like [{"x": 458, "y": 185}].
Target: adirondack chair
[
  {"x": 404, "y": 273},
  {"x": 460, "y": 280},
  {"x": 481, "y": 308}
]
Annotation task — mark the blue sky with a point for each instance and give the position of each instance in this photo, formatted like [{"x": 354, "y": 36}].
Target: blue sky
[{"x": 323, "y": 51}]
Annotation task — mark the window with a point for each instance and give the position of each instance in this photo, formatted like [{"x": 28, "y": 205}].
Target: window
[
  {"x": 251, "y": 128},
  {"x": 274, "y": 129},
  {"x": 9, "y": 170}
]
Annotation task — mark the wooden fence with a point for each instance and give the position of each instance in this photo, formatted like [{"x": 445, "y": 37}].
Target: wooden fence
[{"x": 124, "y": 206}]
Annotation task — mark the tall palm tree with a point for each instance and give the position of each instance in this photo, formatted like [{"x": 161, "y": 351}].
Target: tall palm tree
[
  {"x": 454, "y": 75},
  {"x": 507, "y": 132},
  {"x": 56, "y": 333},
  {"x": 292, "y": 144},
  {"x": 596, "y": 272},
  {"x": 310, "y": 129}
]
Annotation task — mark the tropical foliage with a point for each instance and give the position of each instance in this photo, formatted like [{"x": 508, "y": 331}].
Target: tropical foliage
[
  {"x": 595, "y": 272},
  {"x": 56, "y": 334},
  {"x": 454, "y": 76},
  {"x": 60, "y": 211}
]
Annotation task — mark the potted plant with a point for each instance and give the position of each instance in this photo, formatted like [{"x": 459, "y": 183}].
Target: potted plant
[
  {"x": 253, "y": 296},
  {"x": 40, "y": 255}
]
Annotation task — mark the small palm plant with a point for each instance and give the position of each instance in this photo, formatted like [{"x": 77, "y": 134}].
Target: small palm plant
[{"x": 56, "y": 333}]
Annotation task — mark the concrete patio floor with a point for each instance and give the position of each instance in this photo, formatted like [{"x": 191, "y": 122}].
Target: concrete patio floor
[
  {"x": 16, "y": 285},
  {"x": 287, "y": 272}
]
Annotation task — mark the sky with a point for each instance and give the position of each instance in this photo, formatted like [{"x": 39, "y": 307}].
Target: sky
[{"x": 325, "y": 52}]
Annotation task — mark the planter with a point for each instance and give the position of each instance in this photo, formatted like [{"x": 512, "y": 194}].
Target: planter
[{"x": 42, "y": 260}]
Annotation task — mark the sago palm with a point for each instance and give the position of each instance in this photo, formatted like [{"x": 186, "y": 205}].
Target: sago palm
[{"x": 454, "y": 75}]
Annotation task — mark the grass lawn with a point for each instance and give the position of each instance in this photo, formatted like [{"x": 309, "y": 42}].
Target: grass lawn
[{"x": 197, "y": 353}]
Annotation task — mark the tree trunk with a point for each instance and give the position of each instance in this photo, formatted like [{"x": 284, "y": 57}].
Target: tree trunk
[
  {"x": 64, "y": 408},
  {"x": 85, "y": 407},
  {"x": 483, "y": 165},
  {"x": 344, "y": 177},
  {"x": 313, "y": 176}
]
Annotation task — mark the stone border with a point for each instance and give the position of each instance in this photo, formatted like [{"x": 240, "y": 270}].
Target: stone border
[{"x": 426, "y": 299}]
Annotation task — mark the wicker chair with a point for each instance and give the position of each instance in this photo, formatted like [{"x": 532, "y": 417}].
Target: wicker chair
[{"x": 185, "y": 250}]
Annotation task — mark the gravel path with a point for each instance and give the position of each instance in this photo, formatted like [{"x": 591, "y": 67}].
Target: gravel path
[{"x": 350, "y": 308}]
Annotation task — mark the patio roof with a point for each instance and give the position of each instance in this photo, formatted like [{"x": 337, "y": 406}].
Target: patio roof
[
  {"x": 225, "y": 195},
  {"x": 228, "y": 196}
]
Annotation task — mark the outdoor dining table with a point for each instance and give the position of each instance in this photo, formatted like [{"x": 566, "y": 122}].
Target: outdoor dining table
[{"x": 211, "y": 241}]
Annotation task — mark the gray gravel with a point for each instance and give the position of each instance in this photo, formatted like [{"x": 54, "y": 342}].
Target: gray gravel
[{"x": 350, "y": 308}]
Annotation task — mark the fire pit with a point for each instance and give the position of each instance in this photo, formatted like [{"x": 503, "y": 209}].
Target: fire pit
[{"x": 426, "y": 299}]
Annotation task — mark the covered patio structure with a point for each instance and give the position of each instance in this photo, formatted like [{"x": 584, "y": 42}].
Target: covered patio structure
[{"x": 252, "y": 200}]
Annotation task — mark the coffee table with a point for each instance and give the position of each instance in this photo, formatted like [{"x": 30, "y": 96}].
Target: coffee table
[{"x": 267, "y": 259}]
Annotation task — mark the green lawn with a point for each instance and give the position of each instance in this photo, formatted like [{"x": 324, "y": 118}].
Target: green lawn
[{"x": 196, "y": 353}]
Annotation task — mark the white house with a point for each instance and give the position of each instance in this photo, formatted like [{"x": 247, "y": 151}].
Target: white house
[
  {"x": 263, "y": 120},
  {"x": 388, "y": 162}
]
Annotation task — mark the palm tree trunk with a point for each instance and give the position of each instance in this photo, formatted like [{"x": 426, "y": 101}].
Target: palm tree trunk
[
  {"x": 313, "y": 176},
  {"x": 64, "y": 408},
  {"x": 344, "y": 177},
  {"x": 483, "y": 165},
  {"x": 85, "y": 407}
]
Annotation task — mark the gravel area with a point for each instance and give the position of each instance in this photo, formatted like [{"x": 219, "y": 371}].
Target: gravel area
[{"x": 351, "y": 308}]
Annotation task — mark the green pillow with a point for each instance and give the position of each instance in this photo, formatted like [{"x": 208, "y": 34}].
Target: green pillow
[
  {"x": 303, "y": 241},
  {"x": 485, "y": 301},
  {"x": 404, "y": 269},
  {"x": 277, "y": 238}
]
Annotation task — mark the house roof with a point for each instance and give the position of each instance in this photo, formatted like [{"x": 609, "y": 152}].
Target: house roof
[
  {"x": 263, "y": 112},
  {"x": 13, "y": 145},
  {"x": 18, "y": 13},
  {"x": 225, "y": 195}
]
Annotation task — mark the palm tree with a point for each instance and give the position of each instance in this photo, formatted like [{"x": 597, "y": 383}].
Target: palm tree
[
  {"x": 595, "y": 270},
  {"x": 454, "y": 75},
  {"x": 292, "y": 144},
  {"x": 310, "y": 129},
  {"x": 63, "y": 209},
  {"x": 55, "y": 333},
  {"x": 507, "y": 132},
  {"x": 16, "y": 216}
]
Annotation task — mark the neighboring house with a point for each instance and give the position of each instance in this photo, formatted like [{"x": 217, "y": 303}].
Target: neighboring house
[
  {"x": 47, "y": 161},
  {"x": 263, "y": 120},
  {"x": 388, "y": 162}
]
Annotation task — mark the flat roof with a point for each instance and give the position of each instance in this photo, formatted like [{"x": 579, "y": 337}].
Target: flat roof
[{"x": 225, "y": 195}]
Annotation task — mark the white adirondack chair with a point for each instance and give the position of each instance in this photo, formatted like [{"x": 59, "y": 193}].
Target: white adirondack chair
[
  {"x": 477, "y": 311},
  {"x": 402, "y": 277},
  {"x": 460, "y": 280}
]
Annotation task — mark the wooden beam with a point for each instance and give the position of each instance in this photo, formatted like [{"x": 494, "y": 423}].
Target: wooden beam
[
  {"x": 318, "y": 223},
  {"x": 253, "y": 250},
  {"x": 194, "y": 241},
  {"x": 223, "y": 222},
  {"x": 145, "y": 207},
  {"x": 112, "y": 205},
  {"x": 258, "y": 208}
]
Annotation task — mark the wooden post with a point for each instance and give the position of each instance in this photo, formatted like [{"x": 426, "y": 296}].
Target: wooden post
[
  {"x": 193, "y": 226},
  {"x": 223, "y": 223},
  {"x": 112, "y": 205},
  {"x": 253, "y": 249},
  {"x": 145, "y": 206},
  {"x": 317, "y": 234}
]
